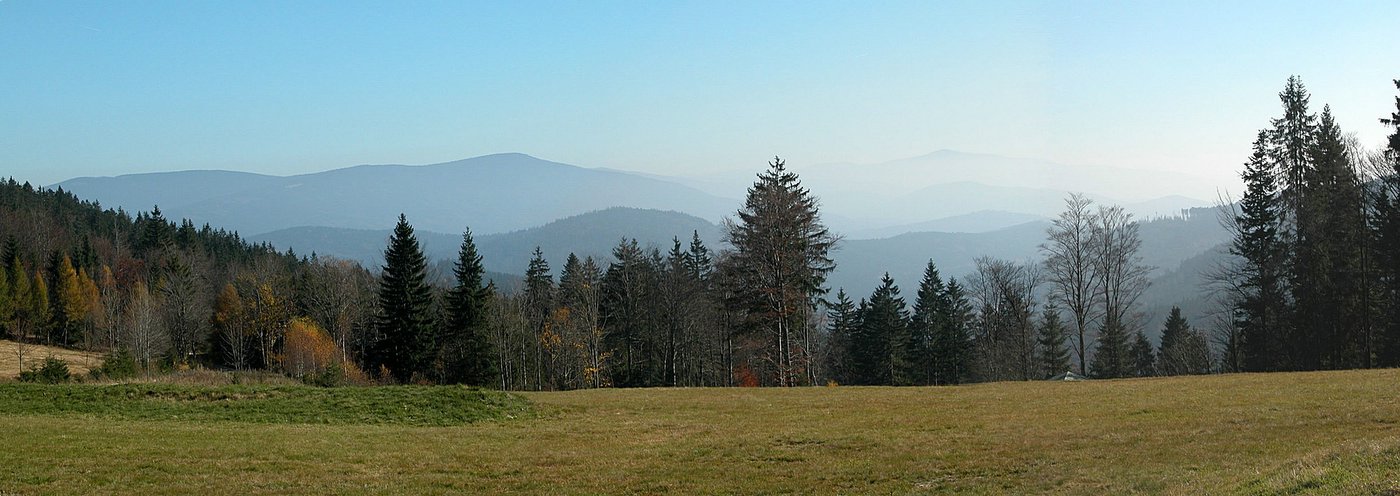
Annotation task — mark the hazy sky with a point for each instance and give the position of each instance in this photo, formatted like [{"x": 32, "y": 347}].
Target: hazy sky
[{"x": 113, "y": 87}]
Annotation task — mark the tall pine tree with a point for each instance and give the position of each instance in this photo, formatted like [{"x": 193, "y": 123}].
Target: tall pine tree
[
  {"x": 405, "y": 324},
  {"x": 1260, "y": 308},
  {"x": 1387, "y": 233},
  {"x": 842, "y": 322},
  {"x": 1328, "y": 270},
  {"x": 1113, "y": 354},
  {"x": 474, "y": 360},
  {"x": 952, "y": 342},
  {"x": 539, "y": 304},
  {"x": 1050, "y": 341},
  {"x": 1144, "y": 359},
  {"x": 924, "y": 325},
  {"x": 780, "y": 262},
  {"x": 874, "y": 348}
]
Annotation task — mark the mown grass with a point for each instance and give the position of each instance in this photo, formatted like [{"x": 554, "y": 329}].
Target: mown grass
[
  {"x": 407, "y": 405},
  {"x": 1309, "y": 433}
]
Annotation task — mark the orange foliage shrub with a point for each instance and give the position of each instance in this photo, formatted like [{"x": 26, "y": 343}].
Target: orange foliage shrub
[
  {"x": 308, "y": 349},
  {"x": 746, "y": 377}
]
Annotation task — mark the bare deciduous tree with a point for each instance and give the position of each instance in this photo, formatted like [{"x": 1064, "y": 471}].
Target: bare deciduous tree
[{"x": 1069, "y": 267}]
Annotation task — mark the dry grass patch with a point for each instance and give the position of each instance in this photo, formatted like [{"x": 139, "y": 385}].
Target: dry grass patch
[{"x": 79, "y": 362}]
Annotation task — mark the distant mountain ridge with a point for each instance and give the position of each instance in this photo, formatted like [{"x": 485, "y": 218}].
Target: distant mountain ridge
[
  {"x": 590, "y": 234},
  {"x": 863, "y": 197},
  {"x": 492, "y": 193},
  {"x": 512, "y": 191}
]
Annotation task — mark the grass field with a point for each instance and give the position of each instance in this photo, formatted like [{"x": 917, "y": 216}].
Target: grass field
[{"x": 1308, "y": 433}]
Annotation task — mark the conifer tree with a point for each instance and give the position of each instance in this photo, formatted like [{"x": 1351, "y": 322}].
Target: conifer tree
[
  {"x": 405, "y": 321},
  {"x": 1183, "y": 350},
  {"x": 475, "y": 363},
  {"x": 156, "y": 231},
  {"x": 628, "y": 318},
  {"x": 780, "y": 262},
  {"x": 1144, "y": 359},
  {"x": 21, "y": 298},
  {"x": 876, "y": 345},
  {"x": 1293, "y": 136},
  {"x": 70, "y": 304},
  {"x": 698, "y": 259},
  {"x": 842, "y": 323},
  {"x": 1113, "y": 354},
  {"x": 1387, "y": 233},
  {"x": 952, "y": 344},
  {"x": 1334, "y": 255},
  {"x": 1174, "y": 329},
  {"x": 37, "y": 312},
  {"x": 7, "y": 307},
  {"x": 924, "y": 324},
  {"x": 539, "y": 304},
  {"x": 1054, "y": 355},
  {"x": 1260, "y": 307}
]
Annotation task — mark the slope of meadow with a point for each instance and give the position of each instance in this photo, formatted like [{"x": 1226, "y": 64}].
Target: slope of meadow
[
  {"x": 79, "y": 362},
  {"x": 1312, "y": 433}
]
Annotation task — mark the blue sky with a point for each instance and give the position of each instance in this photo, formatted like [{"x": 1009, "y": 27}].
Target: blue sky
[{"x": 107, "y": 87}]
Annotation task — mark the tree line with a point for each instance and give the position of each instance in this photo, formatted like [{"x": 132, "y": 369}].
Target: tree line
[{"x": 1315, "y": 279}]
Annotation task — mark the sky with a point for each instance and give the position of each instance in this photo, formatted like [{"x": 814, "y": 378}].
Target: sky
[{"x": 681, "y": 88}]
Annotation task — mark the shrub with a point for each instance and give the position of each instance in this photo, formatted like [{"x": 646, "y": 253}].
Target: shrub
[
  {"x": 118, "y": 365},
  {"x": 308, "y": 352},
  {"x": 53, "y": 371}
]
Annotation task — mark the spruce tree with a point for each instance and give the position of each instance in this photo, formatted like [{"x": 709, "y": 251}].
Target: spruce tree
[
  {"x": 924, "y": 325},
  {"x": 629, "y": 285},
  {"x": 1053, "y": 352},
  {"x": 1144, "y": 359},
  {"x": 1387, "y": 234},
  {"x": 1293, "y": 137},
  {"x": 539, "y": 304},
  {"x": 475, "y": 363},
  {"x": 1113, "y": 354},
  {"x": 779, "y": 266},
  {"x": 883, "y": 322},
  {"x": 156, "y": 232},
  {"x": 1260, "y": 308},
  {"x": 405, "y": 323},
  {"x": 842, "y": 322},
  {"x": 698, "y": 260},
  {"x": 1173, "y": 330},
  {"x": 7, "y": 306},
  {"x": 1183, "y": 350},
  {"x": 1336, "y": 207},
  {"x": 953, "y": 340}
]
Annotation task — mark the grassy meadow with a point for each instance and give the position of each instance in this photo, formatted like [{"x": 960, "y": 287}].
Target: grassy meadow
[{"x": 1296, "y": 433}]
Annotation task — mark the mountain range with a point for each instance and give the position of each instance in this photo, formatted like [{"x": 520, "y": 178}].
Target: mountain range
[
  {"x": 509, "y": 192},
  {"x": 490, "y": 194}
]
